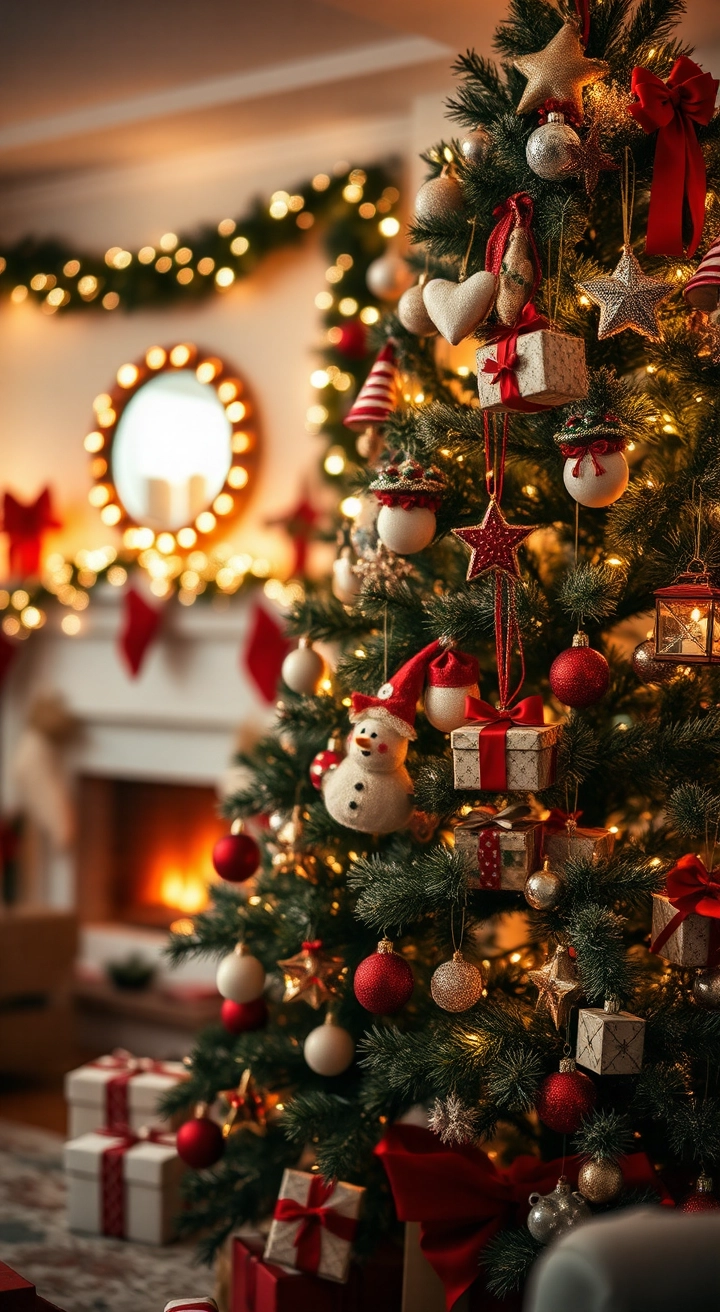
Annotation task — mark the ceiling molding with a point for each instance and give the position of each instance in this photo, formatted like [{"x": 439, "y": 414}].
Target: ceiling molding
[{"x": 379, "y": 57}]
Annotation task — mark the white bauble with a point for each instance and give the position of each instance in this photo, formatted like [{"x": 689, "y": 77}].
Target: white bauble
[
  {"x": 445, "y": 707},
  {"x": 413, "y": 315},
  {"x": 406, "y": 531},
  {"x": 388, "y": 276},
  {"x": 597, "y": 490},
  {"x": 345, "y": 583},
  {"x": 240, "y": 976},
  {"x": 302, "y": 669},
  {"x": 329, "y": 1049}
]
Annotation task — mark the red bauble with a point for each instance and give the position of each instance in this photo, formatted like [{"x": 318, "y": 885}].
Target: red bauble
[
  {"x": 579, "y": 676},
  {"x": 239, "y": 1017},
  {"x": 236, "y": 857},
  {"x": 321, "y": 763},
  {"x": 702, "y": 1199},
  {"x": 384, "y": 981},
  {"x": 200, "y": 1143},
  {"x": 353, "y": 340},
  {"x": 563, "y": 1099}
]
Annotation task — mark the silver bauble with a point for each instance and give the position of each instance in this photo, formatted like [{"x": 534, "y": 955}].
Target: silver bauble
[
  {"x": 406, "y": 531},
  {"x": 592, "y": 489},
  {"x": 438, "y": 198},
  {"x": 552, "y": 1215},
  {"x": 388, "y": 276},
  {"x": 329, "y": 1049},
  {"x": 413, "y": 315},
  {"x": 302, "y": 669},
  {"x": 647, "y": 667},
  {"x": 600, "y": 1180},
  {"x": 475, "y": 145},
  {"x": 543, "y": 888},
  {"x": 552, "y": 148},
  {"x": 706, "y": 988},
  {"x": 457, "y": 984}
]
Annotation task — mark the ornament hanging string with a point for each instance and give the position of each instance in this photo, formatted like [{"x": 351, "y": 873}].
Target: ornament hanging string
[
  {"x": 507, "y": 636},
  {"x": 463, "y": 267},
  {"x": 627, "y": 194},
  {"x": 457, "y": 946},
  {"x": 583, "y": 13}
]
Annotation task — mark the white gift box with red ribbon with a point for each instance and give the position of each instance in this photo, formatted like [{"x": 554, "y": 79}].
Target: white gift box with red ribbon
[
  {"x": 120, "y": 1089},
  {"x": 124, "y": 1186},
  {"x": 314, "y": 1224}
]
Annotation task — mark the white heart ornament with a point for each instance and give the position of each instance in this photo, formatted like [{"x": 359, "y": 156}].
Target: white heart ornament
[{"x": 457, "y": 308}]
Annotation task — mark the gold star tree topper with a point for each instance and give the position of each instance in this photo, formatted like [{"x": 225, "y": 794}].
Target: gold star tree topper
[
  {"x": 558, "y": 985},
  {"x": 559, "y": 72},
  {"x": 311, "y": 975},
  {"x": 627, "y": 299}
]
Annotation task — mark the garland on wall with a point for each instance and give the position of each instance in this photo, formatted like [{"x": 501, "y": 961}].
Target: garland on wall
[{"x": 355, "y": 208}]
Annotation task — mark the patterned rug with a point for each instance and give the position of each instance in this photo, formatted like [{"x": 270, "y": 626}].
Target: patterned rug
[{"x": 79, "y": 1273}]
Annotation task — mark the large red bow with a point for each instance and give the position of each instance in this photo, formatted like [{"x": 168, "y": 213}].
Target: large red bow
[
  {"x": 603, "y": 446},
  {"x": 502, "y": 368},
  {"x": 25, "y": 525},
  {"x": 314, "y": 1217},
  {"x": 694, "y": 890},
  {"x": 672, "y": 108},
  {"x": 462, "y": 1199},
  {"x": 491, "y": 741}
]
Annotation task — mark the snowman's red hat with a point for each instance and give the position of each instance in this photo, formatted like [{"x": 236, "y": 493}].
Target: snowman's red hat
[
  {"x": 453, "y": 669},
  {"x": 397, "y": 700}
]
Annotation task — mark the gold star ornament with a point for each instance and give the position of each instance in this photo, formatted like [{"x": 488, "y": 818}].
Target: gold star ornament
[
  {"x": 311, "y": 975},
  {"x": 558, "y": 985},
  {"x": 559, "y": 72},
  {"x": 627, "y": 299}
]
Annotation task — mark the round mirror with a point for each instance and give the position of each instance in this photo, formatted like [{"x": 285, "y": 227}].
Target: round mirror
[
  {"x": 173, "y": 448},
  {"x": 172, "y": 451}
]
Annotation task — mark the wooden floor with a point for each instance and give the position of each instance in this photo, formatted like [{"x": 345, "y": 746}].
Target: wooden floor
[{"x": 36, "y": 1102}]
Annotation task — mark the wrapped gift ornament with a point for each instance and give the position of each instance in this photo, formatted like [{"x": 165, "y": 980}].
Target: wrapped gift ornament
[
  {"x": 260, "y": 1286},
  {"x": 610, "y": 1041},
  {"x": 505, "y": 751},
  {"x": 120, "y": 1089},
  {"x": 564, "y": 840},
  {"x": 530, "y": 367},
  {"x": 314, "y": 1224},
  {"x": 686, "y": 921},
  {"x": 123, "y": 1185},
  {"x": 500, "y": 849}
]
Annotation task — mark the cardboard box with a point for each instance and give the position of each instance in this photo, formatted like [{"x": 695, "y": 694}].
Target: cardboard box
[
  {"x": 550, "y": 370},
  {"x": 129, "y": 1189},
  {"x": 335, "y": 1249},
  {"x": 689, "y": 945},
  {"x": 529, "y": 757},
  {"x": 495, "y": 855},
  {"x": 120, "y": 1090},
  {"x": 581, "y": 845}
]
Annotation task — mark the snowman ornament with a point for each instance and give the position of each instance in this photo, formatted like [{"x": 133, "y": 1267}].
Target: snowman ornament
[{"x": 371, "y": 790}]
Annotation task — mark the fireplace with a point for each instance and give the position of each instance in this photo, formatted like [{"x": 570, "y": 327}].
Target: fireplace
[{"x": 144, "y": 850}]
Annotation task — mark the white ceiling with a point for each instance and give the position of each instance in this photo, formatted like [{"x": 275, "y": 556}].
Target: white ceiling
[{"x": 92, "y": 83}]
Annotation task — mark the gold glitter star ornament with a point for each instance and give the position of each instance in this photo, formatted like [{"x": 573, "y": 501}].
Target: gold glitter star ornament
[
  {"x": 559, "y": 72},
  {"x": 627, "y": 299},
  {"x": 310, "y": 975},
  {"x": 558, "y": 985}
]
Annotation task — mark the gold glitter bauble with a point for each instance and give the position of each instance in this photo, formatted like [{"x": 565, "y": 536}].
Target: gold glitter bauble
[
  {"x": 559, "y": 72},
  {"x": 627, "y": 299},
  {"x": 600, "y": 1180},
  {"x": 457, "y": 984}
]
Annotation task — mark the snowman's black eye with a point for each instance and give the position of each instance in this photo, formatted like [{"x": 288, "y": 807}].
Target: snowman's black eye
[{"x": 373, "y": 735}]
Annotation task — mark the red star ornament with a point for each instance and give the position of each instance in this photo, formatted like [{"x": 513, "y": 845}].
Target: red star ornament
[{"x": 494, "y": 543}]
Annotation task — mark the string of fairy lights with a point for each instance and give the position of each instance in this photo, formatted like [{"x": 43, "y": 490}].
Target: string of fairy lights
[{"x": 355, "y": 205}]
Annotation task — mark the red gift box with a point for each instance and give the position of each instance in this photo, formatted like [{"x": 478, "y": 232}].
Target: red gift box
[
  {"x": 19, "y": 1295},
  {"x": 258, "y": 1286}
]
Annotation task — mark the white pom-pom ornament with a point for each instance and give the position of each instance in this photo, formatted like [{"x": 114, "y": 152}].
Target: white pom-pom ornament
[
  {"x": 452, "y": 678},
  {"x": 594, "y": 489},
  {"x": 329, "y": 1049},
  {"x": 302, "y": 668},
  {"x": 345, "y": 583},
  {"x": 240, "y": 976},
  {"x": 406, "y": 531}
]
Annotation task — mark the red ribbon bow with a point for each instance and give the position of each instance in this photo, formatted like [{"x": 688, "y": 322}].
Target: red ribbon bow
[
  {"x": 602, "y": 447},
  {"x": 557, "y": 821},
  {"x": 694, "y": 890},
  {"x": 672, "y": 108},
  {"x": 502, "y": 368},
  {"x": 491, "y": 740},
  {"x": 314, "y": 1217},
  {"x": 25, "y": 525},
  {"x": 462, "y": 1200}
]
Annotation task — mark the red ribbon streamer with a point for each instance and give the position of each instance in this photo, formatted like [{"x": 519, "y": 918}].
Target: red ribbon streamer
[
  {"x": 557, "y": 820},
  {"x": 462, "y": 1200},
  {"x": 602, "y": 447},
  {"x": 492, "y": 737},
  {"x": 25, "y": 525},
  {"x": 112, "y": 1178},
  {"x": 672, "y": 109},
  {"x": 694, "y": 890},
  {"x": 314, "y": 1217},
  {"x": 502, "y": 369}
]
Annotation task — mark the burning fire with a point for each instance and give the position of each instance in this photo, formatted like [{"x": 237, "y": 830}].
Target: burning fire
[{"x": 184, "y": 892}]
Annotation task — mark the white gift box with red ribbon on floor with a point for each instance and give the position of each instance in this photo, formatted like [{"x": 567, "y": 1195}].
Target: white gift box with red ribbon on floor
[
  {"x": 120, "y": 1089},
  {"x": 124, "y": 1186}
]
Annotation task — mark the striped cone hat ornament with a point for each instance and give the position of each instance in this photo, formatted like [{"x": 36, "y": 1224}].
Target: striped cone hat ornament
[
  {"x": 703, "y": 289},
  {"x": 378, "y": 395}
]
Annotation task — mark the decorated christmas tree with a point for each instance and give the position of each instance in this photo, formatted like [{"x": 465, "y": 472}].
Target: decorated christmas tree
[{"x": 480, "y": 955}]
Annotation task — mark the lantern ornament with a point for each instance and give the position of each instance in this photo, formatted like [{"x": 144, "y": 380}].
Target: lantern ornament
[{"x": 687, "y": 620}]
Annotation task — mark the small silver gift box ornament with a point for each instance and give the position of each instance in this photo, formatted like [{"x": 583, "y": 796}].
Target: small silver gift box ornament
[
  {"x": 529, "y": 759},
  {"x": 301, "y": 1238},
  {"x": 692, "y": 940},
  {"x": 541, "y": 368},
  {"x": 610, "y": 1041},
  {"x": 565, "y": 840},
  {"x": 499, "y": 849}
]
